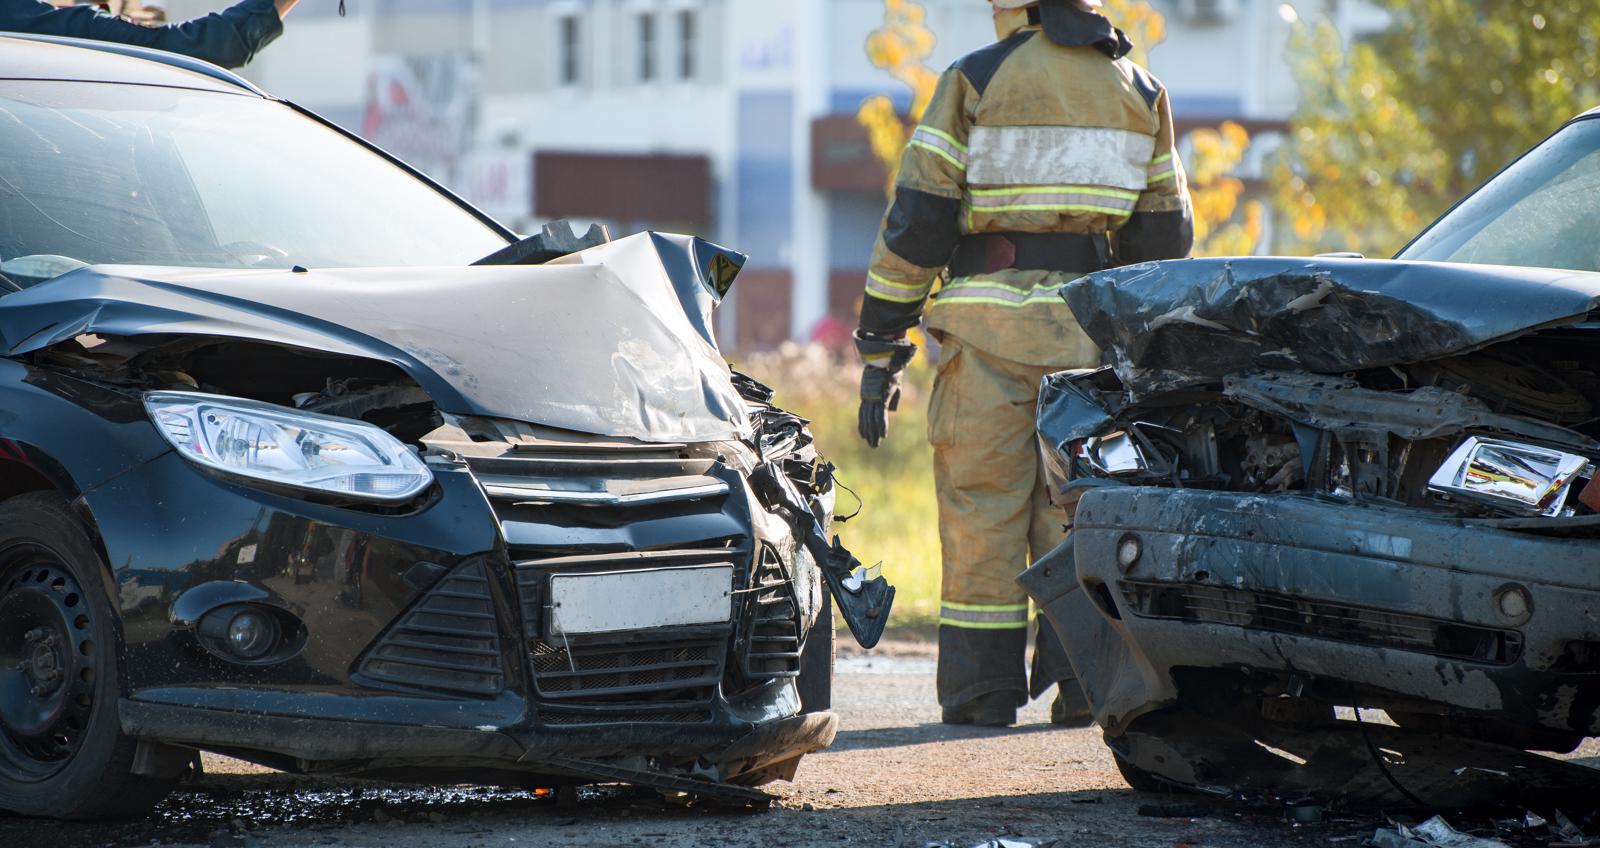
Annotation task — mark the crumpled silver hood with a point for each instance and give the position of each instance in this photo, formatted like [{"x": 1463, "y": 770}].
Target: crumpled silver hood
[{"x": 615, "y": 341}]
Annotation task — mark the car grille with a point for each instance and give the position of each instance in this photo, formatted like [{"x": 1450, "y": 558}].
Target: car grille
[
  {"x": 600, "y": 512},
  {"x": 448, "y": 641},
  {"x": 769, "y": 629},
  {"x": 1319, "y": 619}
]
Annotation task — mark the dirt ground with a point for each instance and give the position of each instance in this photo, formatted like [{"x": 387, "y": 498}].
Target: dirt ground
[{"x": 895, "y": 777}]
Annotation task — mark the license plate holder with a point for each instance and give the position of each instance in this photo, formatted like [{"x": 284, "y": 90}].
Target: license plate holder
[{"x": 642, "y": 599}]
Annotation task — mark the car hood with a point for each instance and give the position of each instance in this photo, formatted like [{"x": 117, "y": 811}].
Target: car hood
[
  {"x": 1166, "y": 325},
  {"x": 615, "y": 341}
]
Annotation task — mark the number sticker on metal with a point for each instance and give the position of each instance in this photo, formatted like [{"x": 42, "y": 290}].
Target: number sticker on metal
[{"x": 638, "y": 600}]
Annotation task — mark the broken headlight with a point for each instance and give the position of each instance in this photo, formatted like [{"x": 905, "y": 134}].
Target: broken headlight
[
  {"x": 1113, "y": 455},
  {"x": 1517, "y": 477},
  {"x": 275, "y": 444}
]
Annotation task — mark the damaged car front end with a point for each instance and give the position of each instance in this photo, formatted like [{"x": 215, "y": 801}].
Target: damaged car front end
[
  {"x": 421, "y": 520},
  {"x": 1306, "y": 485}
]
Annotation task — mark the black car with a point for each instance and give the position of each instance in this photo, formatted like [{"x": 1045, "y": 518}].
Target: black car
[
  {"x": 1309, "y": 484},
  {"x": 303, "y": 461}
]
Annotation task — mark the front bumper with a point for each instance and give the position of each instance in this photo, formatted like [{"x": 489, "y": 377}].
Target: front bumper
[
  {"x": 426, "y": 645},
  {"x": 1378, "y": 605}
]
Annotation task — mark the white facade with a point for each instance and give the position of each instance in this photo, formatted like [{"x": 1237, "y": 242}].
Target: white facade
[{"x": 738, "y": 82}]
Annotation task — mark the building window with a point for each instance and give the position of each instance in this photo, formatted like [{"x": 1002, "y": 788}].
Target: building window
[
  {"x": 646, "y": 28},
  {"x": 688, "y": 44},
  {"x": 569, "y": 49}
]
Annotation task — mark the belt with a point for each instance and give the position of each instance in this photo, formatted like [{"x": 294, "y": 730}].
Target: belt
[{"x": 986, "y": 253}]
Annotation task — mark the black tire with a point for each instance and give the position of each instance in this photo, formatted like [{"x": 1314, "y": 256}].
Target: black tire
[
  {"x": 816, "y": 661},
  {"x": 62, "y": 751}
]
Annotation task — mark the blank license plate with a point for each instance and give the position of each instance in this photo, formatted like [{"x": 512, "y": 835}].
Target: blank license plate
[{"x": 638, "y": 600}]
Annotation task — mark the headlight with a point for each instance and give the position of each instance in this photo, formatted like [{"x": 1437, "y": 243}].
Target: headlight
[
  {"x": 279, "y": 445},
  {"x": 1522, "y": 478},
  {"x": 1114, "y": 455}
]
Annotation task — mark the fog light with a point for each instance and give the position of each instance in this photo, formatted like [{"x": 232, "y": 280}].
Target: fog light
[
  {"x": 1514, "y": 603},
  {"x": 252, "y": 634},
  {"x": 1129, "y": 550}
]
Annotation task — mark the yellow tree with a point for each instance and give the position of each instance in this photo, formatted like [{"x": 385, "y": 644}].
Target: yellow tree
[
  {"x": 1393, "y": 128},
  {"x": 900, "y": 47}
]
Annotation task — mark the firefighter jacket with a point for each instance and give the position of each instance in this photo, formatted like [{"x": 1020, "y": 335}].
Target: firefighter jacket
[
  {"x": 229, "y": 38},
  {"x": 1039, "y": 134}
]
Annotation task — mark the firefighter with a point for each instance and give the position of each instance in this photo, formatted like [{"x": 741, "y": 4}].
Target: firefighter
[
  {"x": 229, "y": 38},
  {"x": 1042, "y": 157}
]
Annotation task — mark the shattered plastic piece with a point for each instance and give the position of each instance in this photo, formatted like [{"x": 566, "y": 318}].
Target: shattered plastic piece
[
  {"x": 1433, "y": 833},
  {"x": 1019, "y": 842}
]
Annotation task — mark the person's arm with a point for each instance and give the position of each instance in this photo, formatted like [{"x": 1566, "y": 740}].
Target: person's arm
[
  {"x": 1162, "y": 225},
  {"x": 923, "y": 225},
  {"x": 229, "y": 38}
]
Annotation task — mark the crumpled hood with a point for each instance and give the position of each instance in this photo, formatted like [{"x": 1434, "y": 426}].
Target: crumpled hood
[
  {"x": 615, "y": 341},
  {"x": 1166, "y": 325}
]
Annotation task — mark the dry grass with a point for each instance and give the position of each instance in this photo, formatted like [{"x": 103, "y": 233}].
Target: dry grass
[{"x": 898, "y": 523}]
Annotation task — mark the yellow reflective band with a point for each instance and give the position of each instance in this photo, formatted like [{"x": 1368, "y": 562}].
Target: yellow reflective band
[
  {"x": 999, "y": 301},
  {"x": 960, "y": 165},
  {"x": 916, "y": 298},
  {"x": 883, "y": 281},
  {"x": 1165, "y": 157},
  {"x": 984, "y": 625},
  {"x": 984, "y": 607},
  {"x": 1164, "y": 175},
  {"x": 1060, "y": 189},
  {"x": 874, "y": 357},
  {"x": 1052, "y": 207},
  {"x": 944, "y": 135}
]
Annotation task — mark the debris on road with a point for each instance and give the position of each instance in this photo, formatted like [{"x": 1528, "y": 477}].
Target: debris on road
[{"x": 1433, "y": 833}]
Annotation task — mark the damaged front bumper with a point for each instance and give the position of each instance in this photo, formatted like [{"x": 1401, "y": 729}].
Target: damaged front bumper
[
  {"x": 428, "y": 644},
  {"x": 1379, "y": 606}
]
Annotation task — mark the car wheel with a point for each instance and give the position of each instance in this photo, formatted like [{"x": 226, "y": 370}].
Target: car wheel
[
  {"x": 816, "y": 662},
  {"x": 62, "y": 751}
]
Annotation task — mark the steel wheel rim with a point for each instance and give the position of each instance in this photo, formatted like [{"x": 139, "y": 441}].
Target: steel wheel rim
[{"x": 48, "y": 666}]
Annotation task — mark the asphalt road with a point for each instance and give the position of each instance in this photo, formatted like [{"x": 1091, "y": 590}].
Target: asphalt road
[{"x": 895, "y": 777}]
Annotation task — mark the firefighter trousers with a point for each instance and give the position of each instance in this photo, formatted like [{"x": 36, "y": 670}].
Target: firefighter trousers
[{"x": 995, "y": 516}]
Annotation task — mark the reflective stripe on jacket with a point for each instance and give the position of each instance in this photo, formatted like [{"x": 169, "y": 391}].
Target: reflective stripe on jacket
[{"x": 1027, "y": 135}]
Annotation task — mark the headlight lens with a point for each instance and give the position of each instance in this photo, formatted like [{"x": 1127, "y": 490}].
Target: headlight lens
[
  {"x": 1521, "y": 478},
  {"x": 279, "y": 445}
]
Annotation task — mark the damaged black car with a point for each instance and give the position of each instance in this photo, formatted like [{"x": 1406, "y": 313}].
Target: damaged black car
[
  {"x": 1307, "y": 490},
  {"x": 305, "y": 461}
]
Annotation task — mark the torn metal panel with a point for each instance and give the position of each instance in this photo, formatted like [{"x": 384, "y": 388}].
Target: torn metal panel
[
  {"x": 1167, "y": 325},
  {"x": 619, "y": 343},
  {"x": 1339, "y": 405}
]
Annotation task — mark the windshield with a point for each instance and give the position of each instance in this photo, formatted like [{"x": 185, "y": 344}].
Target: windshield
[
  {"x": 1540, "y": 212},
  {"x": 125, "y": 174}
]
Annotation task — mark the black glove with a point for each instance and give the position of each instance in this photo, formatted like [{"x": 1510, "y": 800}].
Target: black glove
[
  {"x": 880, "y": 382},
  {"x": 880, "y": 395}
]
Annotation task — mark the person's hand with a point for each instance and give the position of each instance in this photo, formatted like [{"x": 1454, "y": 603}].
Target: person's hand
[
  {"x": 880, "y": 395},
  {"x": 283, "y": 6},
  {"x": 886, "y": 357}
]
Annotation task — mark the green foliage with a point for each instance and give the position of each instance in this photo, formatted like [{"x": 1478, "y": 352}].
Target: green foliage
[
  {"x": 899, "y": 521},
  {"x": 1392, "y": 130}
]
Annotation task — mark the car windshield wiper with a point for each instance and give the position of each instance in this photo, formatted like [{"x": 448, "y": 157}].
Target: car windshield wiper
[
  {"x": 557, "y": 240},
  {"x": 8, "y": 285}
]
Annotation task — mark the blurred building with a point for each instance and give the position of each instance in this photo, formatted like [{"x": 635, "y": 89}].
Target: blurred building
[{"x": 733, "y": 119}]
